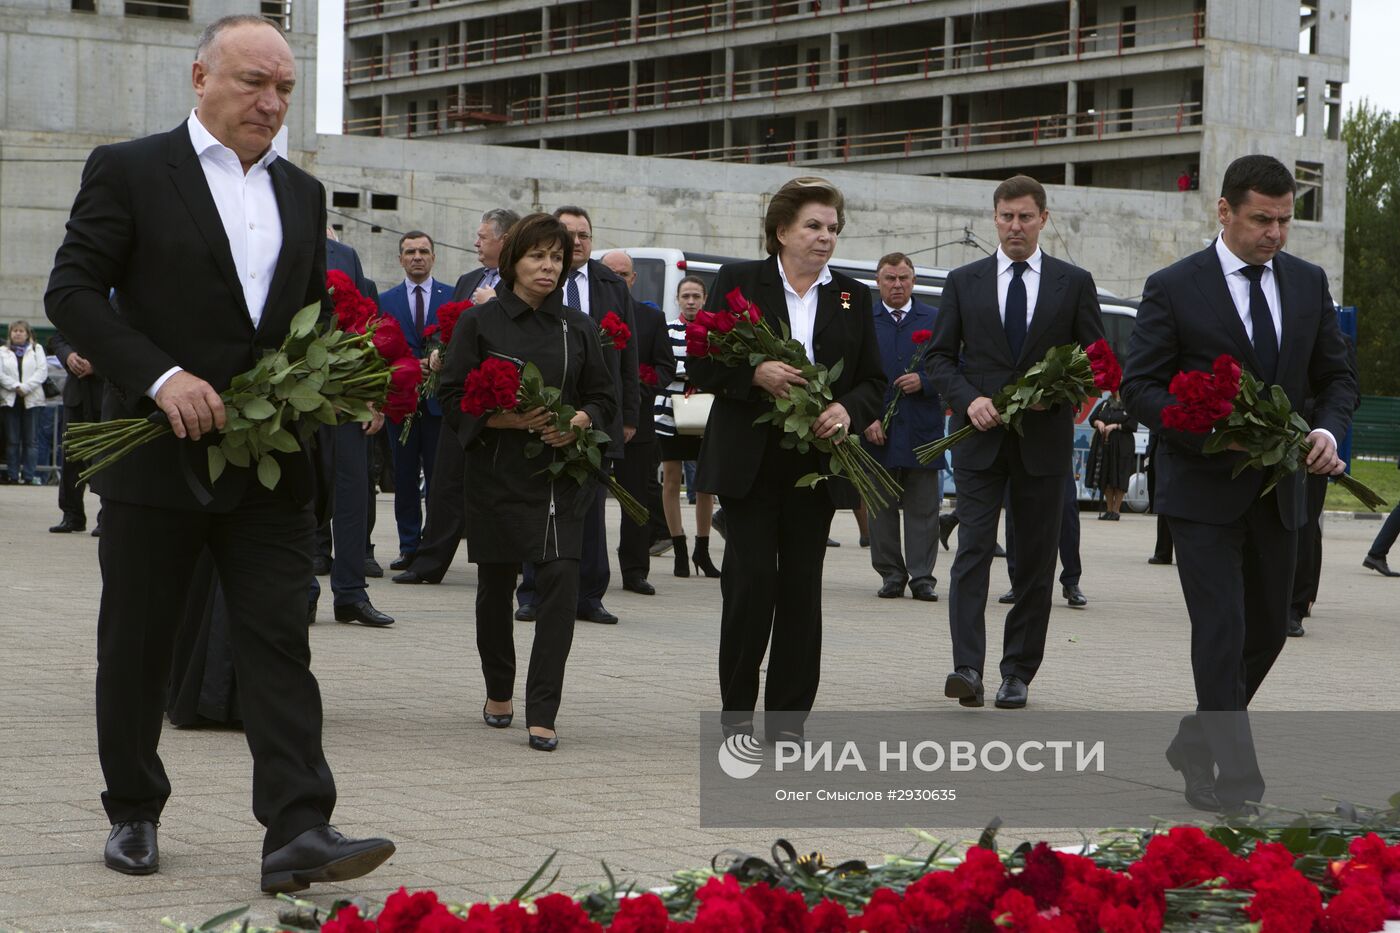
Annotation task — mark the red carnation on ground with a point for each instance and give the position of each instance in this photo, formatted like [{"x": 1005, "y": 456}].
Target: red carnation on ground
[
  {"x": 1359, "y": 909},
  {"x": 491, "y": 386},
  {"x": 405, "y": 374},
  {"x": 645, "y": 914},
  {"x": 921, "y": 336},
  {"x": 389, "y": 339},
  {"x": 647, "y": 374},
  {"x": 616, "y": 331},
  {"x": 408, "y": 913},
  {"x": 348, "y": 920}
]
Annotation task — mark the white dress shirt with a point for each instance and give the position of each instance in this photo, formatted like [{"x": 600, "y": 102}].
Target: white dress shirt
[
  {"x": 1031, "y": 278},
  {"x": 903, "y": 312},
  {"x": 802, "y": 309},
  {"x": 247, "y": 208},
  {"x": 580, "y": 275},
  {"x": 1238, "y": 284}
]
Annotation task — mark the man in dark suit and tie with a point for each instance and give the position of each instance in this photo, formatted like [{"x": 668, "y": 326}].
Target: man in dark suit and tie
[
  {"x": 447, "y": 520},
  {"x": 1235, "y": 549},
  {"x": 82, "y": 402},
  {"x": 212, "y": 242},
  {"x": 414, "y": 303},
  {"x": 998, "y": 317},
  {"x": 596, "y": 290}
]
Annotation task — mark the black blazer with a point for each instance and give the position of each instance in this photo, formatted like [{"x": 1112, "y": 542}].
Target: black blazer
[
  {"x": 145, "y": 223},
  {"x": 607, "y": 292},
  {"x": 654, "y": 349},
  {"x": 344, "y": 259},
  {"x": 733, "y": 449},
  {"x": 1185, "y": 321},
  {"x": 84, "y": 392},
  {"x": 970, "y": 357},
  {"x": 467, "y": 283}
]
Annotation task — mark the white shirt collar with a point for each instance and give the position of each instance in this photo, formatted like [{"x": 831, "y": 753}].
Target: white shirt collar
[
  {"x": 908, "y": 306},
  {"x": 1229, "y": 262},
  {"x": 426, "y": 284},
  {"x": 1004, "y": 261},
  {"x": 581, "y": 272},
  {"x": 822, "y": 279},
  {"x": 203, "y": 141}
]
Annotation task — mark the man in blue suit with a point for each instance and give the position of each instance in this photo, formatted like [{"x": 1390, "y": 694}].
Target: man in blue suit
[
  {"x": 414, "y": 303},
  {"x": 917, "y": 420}
]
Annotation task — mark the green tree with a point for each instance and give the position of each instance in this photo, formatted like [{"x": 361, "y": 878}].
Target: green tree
[{"x": 1372, "y": 262}]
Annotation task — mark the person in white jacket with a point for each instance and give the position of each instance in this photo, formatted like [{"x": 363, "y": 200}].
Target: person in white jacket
[{"x": 23, "y": 369}]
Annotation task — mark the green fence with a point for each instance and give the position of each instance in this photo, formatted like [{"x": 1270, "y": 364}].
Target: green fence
[{"x": 1375, "y": 430}]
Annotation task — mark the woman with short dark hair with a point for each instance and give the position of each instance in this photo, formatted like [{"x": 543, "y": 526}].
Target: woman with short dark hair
[{"x": 513, "y": 513}]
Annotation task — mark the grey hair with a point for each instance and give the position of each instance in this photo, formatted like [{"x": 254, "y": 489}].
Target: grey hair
[
  {"x": 211, "y": 32},
  {"x": 502, "y": 218}
]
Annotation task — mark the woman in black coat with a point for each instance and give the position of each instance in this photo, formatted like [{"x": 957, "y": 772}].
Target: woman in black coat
[
  {"x": 1112, "y": 454},
  {"x": 776, "y": 542},
  {"x": 513, "y": 513}
]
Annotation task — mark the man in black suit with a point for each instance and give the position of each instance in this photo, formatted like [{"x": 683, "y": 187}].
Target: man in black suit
[
  {"x": 1235, "y": 549},
  {"x": 82, "y": 402},
  {"x": 596, "y": 290},
  {"x": 998, "y": 317},
  {"x": 636, "y": 471},
  {"x": 447, "y": 520},
  {"x": 212, "y": 243}
]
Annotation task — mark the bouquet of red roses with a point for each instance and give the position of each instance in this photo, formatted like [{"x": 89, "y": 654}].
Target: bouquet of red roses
[
  {"x": 921, "y": 339},
  {"x": 1244, "y": 412},
  {"x": 615, "y": 330},
  {"x": 497, "y": 385},
  {"x": 740, "y": 336},
  {"x": 1067, "y": 375},
  {"x": 327, "y": 375},
  {"x": 438, "y": 336}
]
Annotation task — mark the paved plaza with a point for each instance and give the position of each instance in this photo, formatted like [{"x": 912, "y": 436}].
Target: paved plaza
[{"x": 472, "y": 809}]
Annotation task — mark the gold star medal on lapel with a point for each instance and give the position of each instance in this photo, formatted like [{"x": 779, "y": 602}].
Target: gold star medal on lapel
[{"x": 846, "y": 301}]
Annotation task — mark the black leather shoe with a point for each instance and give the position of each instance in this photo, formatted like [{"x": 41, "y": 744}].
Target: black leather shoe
[
  {"x": 924, "y": 591},
  {"x": 1199, "y": 776},
  {"x": 1074, "y": 596},
  {"x": 1295, "y": 625},
  {"x": 639, "y": 585},
  {"x": 998, "y": 551},
  {"x": 1239, "y": 811},
  {"x": 1008, "y": 598},
  {"x": 965, "y": 686},
  {"x": 864, "y": 541},
  {"x": 1154, "y": 559},
  {"x": 659, "y": 547},
  {"x": 1377, "y": 564},
  {"x": 401, "y": 562},
  {"x": 364, "y": 613},
  {"x": 832, "y": 542},
  {"x": 319, "y": 855},
  {"x": 599, "y": 615},
  {"x": 526, "y": 613},
  {"x": 413, "y": 576},
  {"x": 720, "y": 524},
  {"x": 946, "y": 524},
  {"x": 68, "y": 526},
  {"x": 891, "y": 590},
  {"x": 96, "y": 531},
  {"x": 131, "y": 848},
  {"x": 372, "y": 568},
  {"x": 1013, "y": 694},
  {"x": 310, "y": 613},
  {"x": 541, "y": 744},
  {"x": 320, "y": 566},
  {"x": 497, "y": 720}
]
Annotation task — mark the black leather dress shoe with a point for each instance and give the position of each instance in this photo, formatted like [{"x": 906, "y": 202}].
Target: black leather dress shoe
[
  {"x": 1008, "y": 598},
  {"x": 946, "y": 524},
  {"x": 401, "y": 562},
  {"x": 320, "y": 566},
  {"x": 1199, "y": 775},
  {"x": 965, "y": 686},
  {"x": 924, "y": 591},
  {"x": 1154, "y": 559},
  {"x": 1295, "y": 625},
  {"x": 131, "y": 848},
  {"x": 526, "y": 613},
  {"x": 639, "y": 585},
  {"x": 364, "y": 613},
  {"x": 832, "y": 542},
  {"x": 96, "y": 531},
  {"x": 1377, "y": 564},
  {"x": 1012, "y": 694},
  {"x": 891, "y": 590},
  {"x": 599, "y": 615},
  {"x": 497, "y": 720},
  {"x": 413, "y": 576},
  {"x": 372, "y": 568},
  {"x": 310, "y": 613},
  {"x": 864, "y": 541},
  {"x": 68, "y": 526},
  {"x": 1074, "y": 596},
  {"x": 998, "y": 551},
  {"x": 542, "y": 744},
  {"x": 319, "y": 855}
]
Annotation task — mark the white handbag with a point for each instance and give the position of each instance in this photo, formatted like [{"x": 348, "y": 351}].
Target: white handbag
[{"x": 691, "y": 412}]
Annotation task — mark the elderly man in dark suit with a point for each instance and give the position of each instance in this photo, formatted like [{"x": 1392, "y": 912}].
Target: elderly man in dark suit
[
  {"x": 1235, "y": 549},
  {"x": 998, "y": 317},
  {"x": 82, "y": 402},
  {"x": 212, "y": 243}
]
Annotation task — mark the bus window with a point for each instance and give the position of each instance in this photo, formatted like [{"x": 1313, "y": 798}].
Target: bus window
[{"x": 651, "y": 281}]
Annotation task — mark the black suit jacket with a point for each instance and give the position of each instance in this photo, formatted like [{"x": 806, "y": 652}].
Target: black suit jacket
[
  {"x": 734, "y": 446},
  {"x": 1185, "y": 321},
  {"x": 654, "y": 349},
  {"x": 467, "y": 283},
  {"x": 145, "y": 223},
  {"x": 970, "y": 356},
  {"x": 607, "y": 292},
  {"x": 345, "y": 259},
  {"x": 78, "y": 392}
]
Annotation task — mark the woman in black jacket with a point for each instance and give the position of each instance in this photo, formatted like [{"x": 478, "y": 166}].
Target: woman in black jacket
[
  {"x": 513, "y": 513},
  {"x": 772, "y": 574}
]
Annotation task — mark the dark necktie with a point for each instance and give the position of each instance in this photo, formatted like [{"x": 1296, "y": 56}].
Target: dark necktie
[
  {"x": 897, "y": 314},
  {"x": 418, "y": 315},
  {"x": 1015, "y": 322},
  {"x": 1265, "y": 337},
  {"x": 571, "y": 291}
]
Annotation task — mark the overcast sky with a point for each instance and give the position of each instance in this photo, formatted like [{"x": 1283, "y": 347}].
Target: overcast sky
[{"x": 1375, "y": 27}]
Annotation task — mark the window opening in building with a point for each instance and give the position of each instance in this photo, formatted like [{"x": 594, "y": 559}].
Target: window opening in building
[
  {"x": 384, "y": 202},
  {"x": 349, "y": 200},
  {"x": 277, "y": 11},
  {"x": 1333, "y": 113},
  {"x": 1300, "y": 120},
  {"x": 1125, "y": 110},
  {"x": 1308, "y": 203},
  {"x": 413, "y": 128},
  {"x": 1307, "y": 27},
  {"x": 1129, "y": 27},
  {"x": 84, "y": 6},
  {"x": 159, "y": 9}
]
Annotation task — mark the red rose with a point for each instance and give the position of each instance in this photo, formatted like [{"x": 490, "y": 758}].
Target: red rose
[
  {"x": 921, "y": 336},
  {"x": 447, "y": 316},
  {"x": 1226, "y": 371},
  {"x": 741, "y": 307},
  {"x": 405, "y": 374},
  {"x": 491, "y": 386},
  {"x": 389, "y": 339},
  {"x": 1108, "y": 374},
  {"x": 724, "y": 322},
  {"x": 697, "y": 339},
  {"x": 618, "y": 332},
  {"x": 647, "y": 374}
]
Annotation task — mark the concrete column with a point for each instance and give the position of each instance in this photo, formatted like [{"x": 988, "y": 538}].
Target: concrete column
[
  {"x": 544, "y": 96},
  {"x": 728, "y": 141},
  {"x": 947, "y": 124},
  {"x": 631, "y": 142},
  {"x": 1073, "y": 25},
  {"x": 544, "y": 28},
  {"x": 728, "y": 72},
  {"x": 833, "y": 56},
  {"x": 728, "y": 13},
  {"x": 1069, "y": 173},
  {"x": 384, "y": 124},
  {"x": 831, "y": 151},
  {"x": 636, "y": 16},
  {"x": 631, "y": 83}
]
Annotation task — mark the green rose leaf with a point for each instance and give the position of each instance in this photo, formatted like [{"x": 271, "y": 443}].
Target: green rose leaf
[
  {"x": 316, "y": 355},
  {"x": 595, "y": 457},
  {"x": 304, "y": 397},
  {"x": 269, "y": 471},
  {"x": 284, "y": 441},
  {"x": 303, "y": 323},
  {"x": 533, "y": 449},
  {"x": 809, "y": 481},
  {"x": 236, "y": 454},
  {"x": 258, "y": 409},
  {"x": 217, "y": 461}
]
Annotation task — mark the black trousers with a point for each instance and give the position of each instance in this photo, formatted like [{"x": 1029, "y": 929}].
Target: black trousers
[
  {"x": 1071, "y": 568},
  {"x": 1237, "y": 579},
  {"x": 347, "y": 447},
  {"x": 556, "y": 592},
  {"x": 1036, "y": 504},
  {"x": 593, "y": 570},
  {"x": 771, "y": 584},
  {"x": 1308, "y": 572},
  {"x": 637, "y": 474},
  {"x": 447, "y": 511},
  {"x": 70, "y": 489},
  {"x": 262, "y": 551}
]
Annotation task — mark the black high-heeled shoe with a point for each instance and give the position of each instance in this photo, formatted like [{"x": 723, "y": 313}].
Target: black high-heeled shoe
[
  {"x": 682, "y": 556},
  {"x": 703, "y": 564},
  {"x": 496, "y": 720},
  {"x": 541, "y": 744}
]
